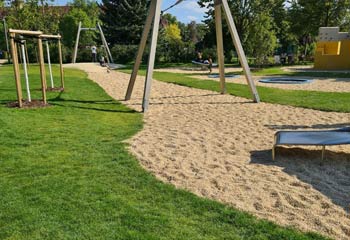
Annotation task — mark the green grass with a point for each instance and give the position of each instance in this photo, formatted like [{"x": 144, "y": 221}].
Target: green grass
[
  {"x": 324, "y": 101},
  {"x": 65, "y": 173},
  {"x": 279, "y": 71}
]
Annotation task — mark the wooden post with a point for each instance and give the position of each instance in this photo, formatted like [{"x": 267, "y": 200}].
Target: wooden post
[
  {"x": 105, "y": 43},
  {"x": 152, "y": 55},
  {"x": 7, "y": 41},
  {"x": 60, "y": 60},
  {"x": 146, "y": 30},
  {"x": 16, "y": 69},
  {"x": 76, "y": 44},
  {"x": 42, "y": 69},
  {"x": 220, "y": 45},
  {"x": 241, "y": 55}
]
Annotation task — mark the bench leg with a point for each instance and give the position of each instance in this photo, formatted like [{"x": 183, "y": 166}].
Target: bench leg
[
  {"x": 273, "y": 152},
  {"x": 323, "y": 151}
]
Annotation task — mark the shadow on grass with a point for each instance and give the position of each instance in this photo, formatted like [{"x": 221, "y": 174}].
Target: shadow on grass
[
  {"x": 330, "y": 176},
  {"x": 96, "y": 105}
]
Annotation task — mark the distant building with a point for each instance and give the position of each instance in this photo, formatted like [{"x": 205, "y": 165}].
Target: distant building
[{"x": 333, "y": 49}]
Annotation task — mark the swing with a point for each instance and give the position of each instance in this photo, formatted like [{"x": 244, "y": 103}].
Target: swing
[
  {"x": 46, "y": 39},
  {"x": 154, "y": 17}
]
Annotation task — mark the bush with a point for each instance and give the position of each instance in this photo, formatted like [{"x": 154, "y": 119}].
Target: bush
[{"x": 124, "y": 53}]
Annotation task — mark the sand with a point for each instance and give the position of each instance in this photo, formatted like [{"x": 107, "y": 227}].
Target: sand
[{"x": 219, "y": 147}]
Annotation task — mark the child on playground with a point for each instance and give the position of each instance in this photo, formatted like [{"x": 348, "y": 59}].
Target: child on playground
[{"x": 94, "y": 53}]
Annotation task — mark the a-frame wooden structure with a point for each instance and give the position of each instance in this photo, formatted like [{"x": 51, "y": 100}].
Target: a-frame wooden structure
[{"x": 154, "y": 17}]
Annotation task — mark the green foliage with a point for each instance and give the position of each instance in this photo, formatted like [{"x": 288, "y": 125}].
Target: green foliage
[
  {"x": 124, "y": 53},
  {"x": 123, "y": 20},
  {"x": 66, "y": 174},
  {"x": 33, "y": 15},
  {"x": 262, "y": 39},
  {"x": 254, "y": 24}
]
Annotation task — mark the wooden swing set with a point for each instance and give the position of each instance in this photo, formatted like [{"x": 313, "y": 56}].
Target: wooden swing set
[
  {"x": 154, "y": 17},
  {"x": 16, "y": 36}
]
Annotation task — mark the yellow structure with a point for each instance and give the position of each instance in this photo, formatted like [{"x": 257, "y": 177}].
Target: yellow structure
[{"x": 333, "y": 49}]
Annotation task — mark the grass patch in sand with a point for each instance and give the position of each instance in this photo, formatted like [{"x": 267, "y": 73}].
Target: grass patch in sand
[
  {"x": 324, "y": 101},
  {"x": 65, "y": 173}
]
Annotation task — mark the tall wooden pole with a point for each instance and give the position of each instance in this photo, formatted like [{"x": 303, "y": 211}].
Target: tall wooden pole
[
  {"x": 76, "y": 44},
  {"x": 105, "y": 43},
  {"x": 42, "y": 69},
  {"x": 7, "y": 41},
  {"x": 146, "y": 30},
  {"x": 220, "y": 45},
  {"x": 152, "y": 55},
  {"x": 16, "y": 69},
  {"x": 61, "y": 62},
  {"x": 241, "y": 55}
]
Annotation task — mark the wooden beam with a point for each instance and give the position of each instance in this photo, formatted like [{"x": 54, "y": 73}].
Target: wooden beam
[
  {"x": 25, "y": 32},
  {"x": 61, "y": 63},
  {"x": 152, "y": 55},
  {"x": 220, "y": 46},
  {"x": 99, "y": 28},
  {"x": 146, "y": 30},
  {"x": 42, "y": 69},
  {"x": 241, "y": 55},
  {"x": 16, "y": 69},
  {"x": 49, "y": 36}
]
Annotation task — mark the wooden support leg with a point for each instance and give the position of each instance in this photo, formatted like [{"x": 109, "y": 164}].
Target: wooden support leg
[
  {"x": 16, "y": 69},
  {"x": 152, "y": 55},
  {"x": 76, "y": 44},
  {"x": 146, "y": 30},
  {"x": 42, "y": 69},
  {"x": 240, "y": 51},
  {"x": 61, "y": 64},
  {"x": 220, "y": 45}
]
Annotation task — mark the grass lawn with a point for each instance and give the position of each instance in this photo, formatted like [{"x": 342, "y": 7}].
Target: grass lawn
[
  {"x": 325, "y": 101},
  {"x": 65, "y": 173}
]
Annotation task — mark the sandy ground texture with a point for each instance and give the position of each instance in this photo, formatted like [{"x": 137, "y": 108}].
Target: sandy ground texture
[
  {"x": 219, "y": 147},
  {"x": 318, "y": 84}
]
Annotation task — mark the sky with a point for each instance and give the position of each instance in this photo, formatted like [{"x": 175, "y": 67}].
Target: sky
[{"x": 185, "y": 12}]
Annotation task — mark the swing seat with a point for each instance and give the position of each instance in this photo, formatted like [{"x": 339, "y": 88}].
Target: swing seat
[
  {"x": 113, "y": 66},
  {"x": 204, "y": 64}
]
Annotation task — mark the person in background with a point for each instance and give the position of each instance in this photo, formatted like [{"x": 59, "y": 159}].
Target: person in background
[{"x": 94, "y": 53}]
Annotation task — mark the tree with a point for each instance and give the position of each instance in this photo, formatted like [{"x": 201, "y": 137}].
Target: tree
[
  {"x": 307, "y": 16},
  {"x": 248, "y": 15},
  {"x": 262, "y": 39},
  {"x": 123, "y": 20}
]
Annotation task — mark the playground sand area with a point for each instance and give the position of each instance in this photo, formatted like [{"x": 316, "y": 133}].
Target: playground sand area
[
  {"x": 219, "y": 147},
  {"x": 317, "y": 84}
]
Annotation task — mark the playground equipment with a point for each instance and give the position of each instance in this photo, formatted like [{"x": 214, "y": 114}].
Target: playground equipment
[
  {"x": 104, "y": 42},
  {"x": 312, "y": 138},
  {"x": 286, "y": 80},
  {"x": 333, "y": 49},
  {"x": 46, "y": 38},
  {"x": 24, "y": 61},
  {"x": 7, "y": 41},
  {"x": 14, "y": 36},
  {"x": 154, "y": 17}
]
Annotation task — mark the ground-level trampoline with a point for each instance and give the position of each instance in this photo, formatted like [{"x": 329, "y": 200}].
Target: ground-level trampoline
[
  {"x": 285, "y": 80},
  {"x": 226, "y": 76}
]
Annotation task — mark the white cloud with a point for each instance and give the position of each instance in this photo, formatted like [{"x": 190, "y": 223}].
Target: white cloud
[
  {"x": 192, "y": 18},
  {"x": 192, "y": 6}
]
